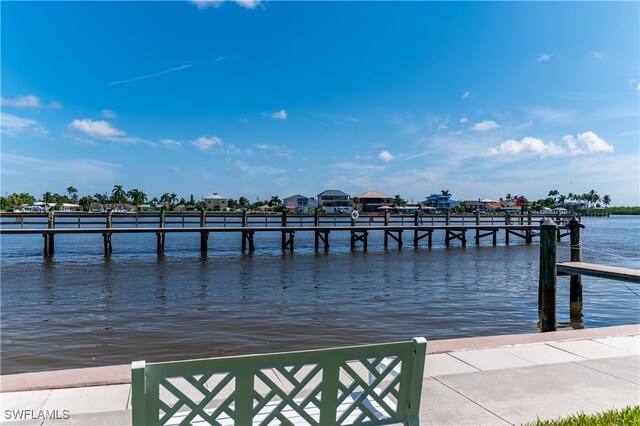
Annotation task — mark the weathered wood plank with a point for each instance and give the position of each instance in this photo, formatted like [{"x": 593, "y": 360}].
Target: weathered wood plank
[{"x": 600, "y": 271}]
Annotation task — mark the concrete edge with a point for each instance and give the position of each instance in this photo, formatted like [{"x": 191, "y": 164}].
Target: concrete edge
[{"x": 121, "y": 374}]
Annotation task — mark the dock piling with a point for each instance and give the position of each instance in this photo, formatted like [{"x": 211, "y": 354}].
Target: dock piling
[
  {"x": 108, "y": 249},
  {"x": 575, "y": 290},
  {"x": 548, "y": 275},
  {"x": 49, "y": 246}
]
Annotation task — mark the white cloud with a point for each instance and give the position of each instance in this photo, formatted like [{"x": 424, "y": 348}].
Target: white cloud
[
  {"x": 55, "y": 105},
  {"x": 586, "y": 143},
  {"x": 545, "y": 57},
  {"x": 464, "y": 120},
  {"x": 170, "y": 142},
  {"x": 385, "y": 156},
  {"x": 280, "y": 115},
  {"x": 635, "y": 84},
  {"x": 279, "y": 150},
  {"x": 363, "y": 157},
  {"x": 206, "y": 143},
  {"x": 22, "y": 101},
  {"x": 596, "y": 55},
  {"x": 465, "y": 94},
  {"x": 11, "y": 124},
  {"x": 484, "y": 126},
  {"x": 247, "y": 4},
  {"x": 96, "y": 129},
  {"x": 156, "y": 74},
  {"x": 110, "y": 114},
  {"x": 527, "y": 145},
  {"x": 78, "y": 171},
  {"x": 252, "y": 170},
  {"x": 357, "y": 167}
]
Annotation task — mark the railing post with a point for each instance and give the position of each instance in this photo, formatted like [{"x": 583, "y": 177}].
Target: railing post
[
  {"x": 575, "y": 291},
  {"x": 244, "y": 218},
  {"x": 447, "y": 217},
  {"x": 548, "y": 275},
  {"x": 107, "y": 235}
]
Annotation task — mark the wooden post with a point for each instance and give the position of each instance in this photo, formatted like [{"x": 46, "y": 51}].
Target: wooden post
[
  {"x": 108, "y": 249},
  {"x": 477, "y": 224},
  {"x": 244, "y": 218},
  {"x": 49, "y": 246},
  {"x": 283, "y": 223},
  {"x": 416, "y": 219},
  {"x": 386, "y": 233},
  {"x": 316, "y": 218},
  {"x": 575, "y": 291},
  {"x": 548, "y": 275},
  {"x": 448, "y": 217},
  {"x": 160, "y": 235},
  {"x": 204, "y": 235}
]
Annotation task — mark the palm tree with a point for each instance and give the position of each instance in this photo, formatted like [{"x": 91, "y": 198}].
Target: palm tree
[
  {"x": 46, "y": 197},
  {"x": 174, "y": 197},
  {"x": 100, "y": 198},
  {"x": 86, "y": 202},
  {"x": 554, "y": 193},
  {"x": 118, "y": 194},
  {"x": 165, "y": 198},
  {"x": 275, "y": 201},
  {"x": 446, "y": 193},
  {"x": 561, "y": 200},
  {"x": 136, "y": 196},
  {"x": 73, "y": 193},
  {"x": 606, "y": 200},
  {"x": 243, "y": 202},
  {"x": 508, "y": 197},
  {"x": 399, "y": 201}
]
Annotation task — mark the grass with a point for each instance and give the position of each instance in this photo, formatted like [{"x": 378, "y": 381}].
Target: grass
[{"x": 627, "y": 416}]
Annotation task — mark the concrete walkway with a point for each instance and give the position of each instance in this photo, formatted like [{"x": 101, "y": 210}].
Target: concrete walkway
[{"x": 489, "y": 380}]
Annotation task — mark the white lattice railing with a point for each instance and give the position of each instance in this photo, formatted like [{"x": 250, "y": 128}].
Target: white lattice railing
[{"x": 372, "y": 384}]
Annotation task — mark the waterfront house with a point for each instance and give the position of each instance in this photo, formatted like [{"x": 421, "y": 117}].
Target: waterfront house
[
  {"x": 372, "y": 201},
  {"x": 556, "y": 211},
  {"x": 335, "y": 201},
  {"x": 216, "y": 202},
  {"x": 473, "y": 205},
  {"x": 299, "y": 203},
  {"x": 441, "y": 202}
]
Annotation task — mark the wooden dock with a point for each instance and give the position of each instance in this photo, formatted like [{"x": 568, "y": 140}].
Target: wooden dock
[
  {"x": 395, "y": 228},
  {"x": 600, "y": 271}
]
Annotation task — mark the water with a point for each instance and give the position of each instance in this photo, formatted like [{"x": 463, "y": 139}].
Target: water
[{"x": 81, "y": 310}]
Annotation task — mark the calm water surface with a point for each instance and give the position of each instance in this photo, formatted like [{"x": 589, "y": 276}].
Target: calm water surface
[{"x": 81, "y": 310}]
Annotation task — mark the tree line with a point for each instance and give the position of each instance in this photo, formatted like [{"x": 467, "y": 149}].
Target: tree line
[{"x": 169, "y": 201}]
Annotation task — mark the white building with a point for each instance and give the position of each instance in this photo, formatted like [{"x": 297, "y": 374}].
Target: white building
[{"x": 216, "y": 202}]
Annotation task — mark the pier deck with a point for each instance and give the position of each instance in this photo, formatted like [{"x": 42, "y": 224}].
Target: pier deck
[{"x": 600, "y": 271}]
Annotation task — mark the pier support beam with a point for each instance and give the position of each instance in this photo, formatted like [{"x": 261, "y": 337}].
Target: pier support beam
[
  {"x": 417, "y": 237},
  {"x": 456, "y": 235},
  {"x": 161, "y": 235},
  {"x": 106, "y": 236},
  {"x": 548, "y": 276},
  {"x": 359, "y": 236},
  {"x": 388, "y": 234},
  {"x": 49, "y": 246},
  {"x": 322, "y": 236},
  {"x": 575, "y": 290},
  {"x": 287, "y": 240},
  {"x": 204, "y": 241},
  {"x": 247, "y": 238}
]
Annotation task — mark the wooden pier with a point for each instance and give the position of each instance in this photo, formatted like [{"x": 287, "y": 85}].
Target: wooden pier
[
  {"x": 454, "y": 228},
  {"x": 550, "y": 269}
]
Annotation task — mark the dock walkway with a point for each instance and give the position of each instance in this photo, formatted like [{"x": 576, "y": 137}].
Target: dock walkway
[{"x": 487, "y": 380}]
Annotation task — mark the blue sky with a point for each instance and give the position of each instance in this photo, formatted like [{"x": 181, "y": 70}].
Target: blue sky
[{"x": 262, "y": 98}]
